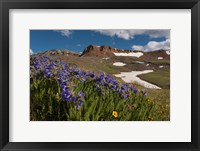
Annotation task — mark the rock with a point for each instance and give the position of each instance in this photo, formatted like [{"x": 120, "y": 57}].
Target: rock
[
  {"x": 102, "y": 51},
  {"x": 96, "y": 51}
]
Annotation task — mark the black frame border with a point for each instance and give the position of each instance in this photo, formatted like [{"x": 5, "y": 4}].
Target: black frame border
[{"x": 5, "y": 5}]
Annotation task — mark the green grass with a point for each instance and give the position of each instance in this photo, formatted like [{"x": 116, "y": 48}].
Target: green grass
[
  {"x": 162, "y": 98},
  {"x": 156, "y": 61},
  {"x": 160, "y": 78},
  {"x": 46, "y": 104},
  {"x": 100, "y": 65}
]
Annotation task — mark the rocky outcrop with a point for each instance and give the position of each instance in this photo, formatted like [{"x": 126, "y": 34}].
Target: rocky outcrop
[
  {"x": 98, "y": 51},
  {"x": 108, "y": 51},
  {"x": 61, "y": 53},
  {"x": 102, "y": 51}
]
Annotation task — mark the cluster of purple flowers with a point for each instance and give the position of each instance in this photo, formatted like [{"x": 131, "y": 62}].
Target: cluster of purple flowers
[
  {"x": 122, "y": 89},
  {"x": 64, "y": 74}
]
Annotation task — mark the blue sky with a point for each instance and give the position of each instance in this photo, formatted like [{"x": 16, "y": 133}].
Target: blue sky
[{"x": 77, "y": 40}]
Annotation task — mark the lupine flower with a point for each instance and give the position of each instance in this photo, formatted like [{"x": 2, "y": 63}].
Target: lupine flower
[
  {"x": 64, "y": 87},
  {"x": 73, "y": 98},
  {"x": 123, "y": 87},
  {"x": 134, "y": 89},
  {"x": 81, "y": 94},
  {"x": 54, "y": 68},
  {"x": 36, "y": 65},
  {"x": 66, "y": 95},
  {"x": 101, "y": 78},
  {"x": 81, "y": 102},
  {"x": 126, "y": 96},
  {"x": 93, "y": 75},
  {"x": 113, "y": 86}
]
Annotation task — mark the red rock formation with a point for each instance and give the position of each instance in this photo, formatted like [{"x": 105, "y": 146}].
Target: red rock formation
[{"x": 98, "y": 51}]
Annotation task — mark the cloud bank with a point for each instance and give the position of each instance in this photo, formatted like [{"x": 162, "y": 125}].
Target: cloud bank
[
  {"x": 130, "y": 33},
  {"x": 65, "y": 33},
  {"x": 153, "y": 46}
]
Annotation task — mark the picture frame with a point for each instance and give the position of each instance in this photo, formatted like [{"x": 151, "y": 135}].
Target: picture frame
[{"x": 5, "y": 5}]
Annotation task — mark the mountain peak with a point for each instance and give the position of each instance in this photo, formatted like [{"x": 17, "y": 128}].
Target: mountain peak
[
  {"x": 102, "y": 51},
  {"x": 98, "y": 51}
]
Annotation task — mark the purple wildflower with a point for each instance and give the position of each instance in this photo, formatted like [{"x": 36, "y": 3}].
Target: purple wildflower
[
  {"x": 73, "y": 98},
  {"x": 81, "y": 94}
]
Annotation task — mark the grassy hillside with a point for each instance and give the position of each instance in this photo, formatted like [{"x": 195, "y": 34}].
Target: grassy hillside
[
  {"x": 159, "y": 77},
  {"x": 149, "y": 104}
]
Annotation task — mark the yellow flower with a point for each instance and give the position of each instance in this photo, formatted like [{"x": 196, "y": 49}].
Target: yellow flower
[{"x": 115, "y": 114}]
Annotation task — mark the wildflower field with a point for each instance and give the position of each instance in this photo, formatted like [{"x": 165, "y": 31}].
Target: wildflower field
[{"x": 62, "y": 92}]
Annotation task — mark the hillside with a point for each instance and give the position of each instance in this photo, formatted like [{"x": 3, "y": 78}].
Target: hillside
[
  {"x": 108, "y": 52},
  {"x": 114, "y": 61},
  {"x": 57, "y": 52},
  {"x": 150, "y": 70}
]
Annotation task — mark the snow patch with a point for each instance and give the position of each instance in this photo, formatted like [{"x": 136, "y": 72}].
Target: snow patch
[
  {"x": 161, "y": 66},
  {"x": 132, "y": 77},
  {"x": 159, "y": 58},
  {"x": 120, "y": 64},
  {"x": 131, "y": 54},
  {"x": 147, "y": 65}
]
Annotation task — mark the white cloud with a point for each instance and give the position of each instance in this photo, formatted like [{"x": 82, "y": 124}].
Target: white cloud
[
  {"x": 31, "y": 51},
  {"x": 65, "y": 33},
  {"x": 79, "y": 45},
  {"x": 153, "y": 45},
  {"x": 137, "y": 47},
  {"x": 130, "y": 33}
]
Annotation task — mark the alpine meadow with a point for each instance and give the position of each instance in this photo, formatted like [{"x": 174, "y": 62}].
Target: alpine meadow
[{"x": 100, "y": 75}]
